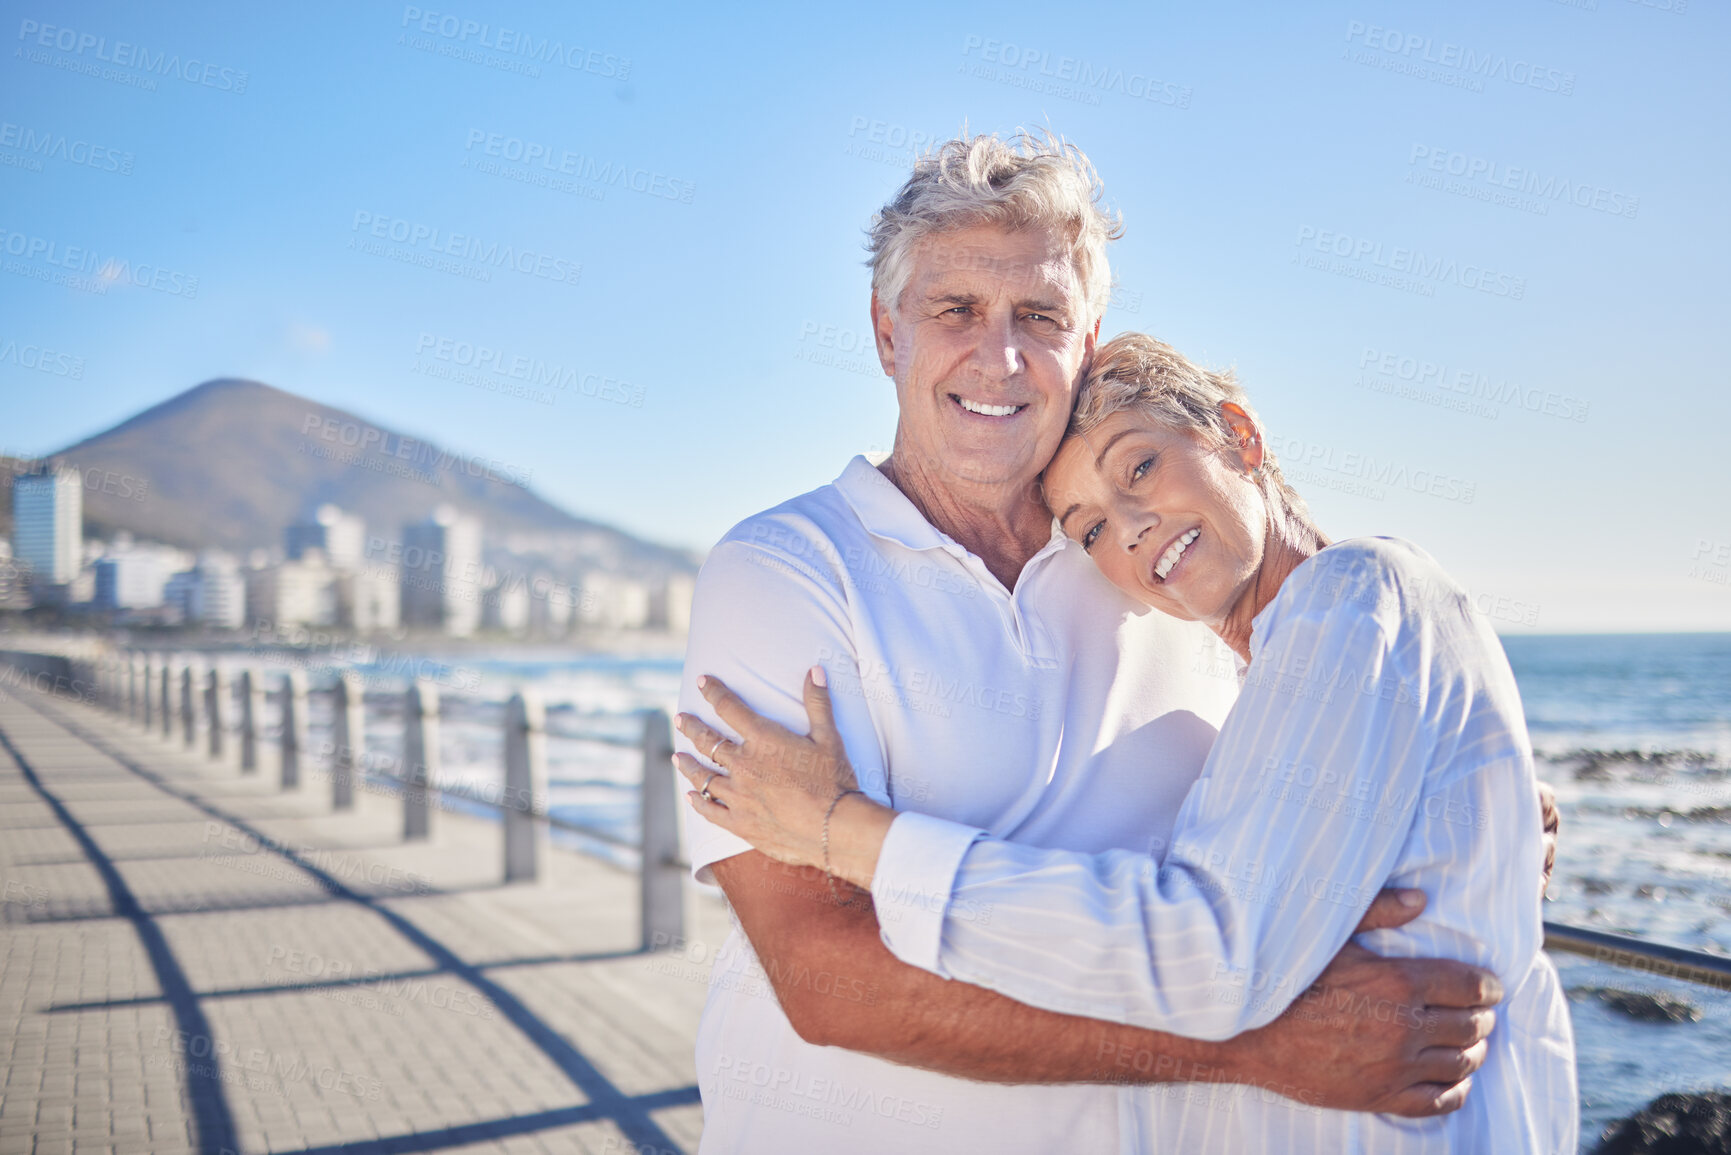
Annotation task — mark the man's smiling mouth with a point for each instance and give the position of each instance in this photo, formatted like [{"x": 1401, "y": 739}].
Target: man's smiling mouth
[{"x": 986, "y": 410}]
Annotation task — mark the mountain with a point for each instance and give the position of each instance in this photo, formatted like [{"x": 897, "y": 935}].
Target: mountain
[{"x": 230, "y": 463}]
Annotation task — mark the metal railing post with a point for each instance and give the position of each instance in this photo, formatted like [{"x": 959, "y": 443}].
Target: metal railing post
[
  {"x": 165, "y": 688},
  {"x": 189, "y": 680},
  {"x": 216, "y": 708},
  {"x": 420, "y": 757},
  {"x": 526, "y": 836},
  {"x": 294, "y": 727},
  {"x": 663, "y": 888},
  {"x": 251, "y": 713},
  {"x": 132, "y": 687},
  {"x": 148, "y": 713},
  {"x": 349, "y": 723}
]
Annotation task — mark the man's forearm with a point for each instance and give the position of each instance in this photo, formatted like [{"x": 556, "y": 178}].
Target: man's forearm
[{"x": 921, "y": 1020}]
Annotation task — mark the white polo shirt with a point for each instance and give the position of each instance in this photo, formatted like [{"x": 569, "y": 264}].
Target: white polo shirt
[{"x": 1061, "y": 715}]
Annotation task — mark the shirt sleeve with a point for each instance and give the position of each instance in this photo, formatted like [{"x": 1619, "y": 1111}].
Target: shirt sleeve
[
  {"x": 761, "y": 617},
  {"x": 1299, "y": 816}
]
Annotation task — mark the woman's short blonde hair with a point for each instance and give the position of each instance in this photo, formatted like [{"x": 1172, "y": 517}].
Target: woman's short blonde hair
[
  {"x": 1139, "y": 372},
  {"x": 1027, "y": 181}
]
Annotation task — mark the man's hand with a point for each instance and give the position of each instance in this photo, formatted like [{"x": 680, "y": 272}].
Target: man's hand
[
  {"x": 1553, "y": 821},
  {"x": 1394, "y": 1036}
]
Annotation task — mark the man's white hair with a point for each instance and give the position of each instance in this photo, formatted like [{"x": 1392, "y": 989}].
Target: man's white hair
[{"x": 1025, "y": 182}]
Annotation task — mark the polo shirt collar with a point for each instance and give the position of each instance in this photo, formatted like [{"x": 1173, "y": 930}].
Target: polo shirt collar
[{"x": 886, "y": 512}]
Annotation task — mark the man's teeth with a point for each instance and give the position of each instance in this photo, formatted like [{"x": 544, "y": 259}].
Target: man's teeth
[
  {"x": 987, "y": 410},
  {"x": 1173, "y": 553}
]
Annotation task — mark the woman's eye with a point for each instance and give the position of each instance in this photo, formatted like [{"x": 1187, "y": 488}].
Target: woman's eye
[
  {"x": 1141, "y": 470},
  {"x": 1090, "y": 534}
]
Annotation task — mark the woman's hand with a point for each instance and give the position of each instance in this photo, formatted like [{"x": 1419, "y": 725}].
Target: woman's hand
[{"x": 774, "y": 786}]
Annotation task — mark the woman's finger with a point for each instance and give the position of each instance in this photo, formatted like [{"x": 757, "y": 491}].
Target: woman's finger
[
  {"x": 704, "y": 737},
  {"x": 817, "y": 708},
  {"x": 746, "y": 722},
  {"x": 704, "y": 777}
]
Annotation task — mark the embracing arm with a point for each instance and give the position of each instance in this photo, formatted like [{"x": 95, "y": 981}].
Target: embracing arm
[{"x": 1332, "y": 1049}]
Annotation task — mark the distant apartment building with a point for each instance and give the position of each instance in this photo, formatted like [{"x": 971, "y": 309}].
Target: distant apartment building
[
  {"x": 211, "y": 593},
  {"x": 672, "y": 605},
  {"x": 134, "y": 575},
  {"x": 613, "y": 601},
  {"x": 48, "y": 523},
  {"x": 441, "y": 573},
  {"x": 370, "y": 598},
  {"x": 14, "y": 580},
  {"x": 340, "y": 536},
  {"x": 304, "y": 592}
]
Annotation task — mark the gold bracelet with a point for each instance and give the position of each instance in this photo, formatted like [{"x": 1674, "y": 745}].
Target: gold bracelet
[{"x": 833, "y": 803}]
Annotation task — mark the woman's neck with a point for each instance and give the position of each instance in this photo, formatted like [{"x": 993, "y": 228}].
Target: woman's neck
[{"x": 1291, "y": 542}]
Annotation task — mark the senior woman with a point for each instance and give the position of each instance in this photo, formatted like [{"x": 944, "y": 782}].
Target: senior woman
[{"x": 1378, "y": 740}]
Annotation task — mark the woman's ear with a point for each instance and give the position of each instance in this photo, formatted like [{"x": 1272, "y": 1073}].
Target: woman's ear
[{"x": 1244, "y": 429}]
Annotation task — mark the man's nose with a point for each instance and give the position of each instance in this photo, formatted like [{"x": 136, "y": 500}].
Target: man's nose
[{"x": 999, "y": 353}]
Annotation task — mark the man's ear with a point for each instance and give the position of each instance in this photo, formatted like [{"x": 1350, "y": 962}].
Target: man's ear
[
  {"x": 884, "y": 331},
  {"x": 1243, "y": 428}
]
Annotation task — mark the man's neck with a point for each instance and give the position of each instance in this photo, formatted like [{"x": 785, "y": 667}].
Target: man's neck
[{"x": 1004, "y": 526}]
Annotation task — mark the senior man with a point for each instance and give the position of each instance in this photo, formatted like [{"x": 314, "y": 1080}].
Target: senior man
[{"x": 963, "y": 634}]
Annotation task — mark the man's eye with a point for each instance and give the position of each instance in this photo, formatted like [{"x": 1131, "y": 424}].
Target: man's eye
[{"x": 1091, "y": 534}]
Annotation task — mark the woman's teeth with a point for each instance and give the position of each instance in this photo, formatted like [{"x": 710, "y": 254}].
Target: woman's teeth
[
  {"x": 986, "y": 410},
  {"x": 1173, "y": 553}
]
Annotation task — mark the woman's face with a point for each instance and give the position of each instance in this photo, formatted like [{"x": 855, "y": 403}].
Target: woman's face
[{"x": 1171, "y": 522}]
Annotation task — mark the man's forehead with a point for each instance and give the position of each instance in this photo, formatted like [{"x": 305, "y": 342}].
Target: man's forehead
[{"x": 993, "y": 263}]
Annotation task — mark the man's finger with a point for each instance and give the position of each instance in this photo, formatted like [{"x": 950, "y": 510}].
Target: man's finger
[
  {"x": 1424, "y": 1100},
  {"x": 1447, "y": 983},
  {"x": 1457, "y": 1026},
  {"x": 1393, "y": 906},
  {"x": 1447, "y": 1065}
]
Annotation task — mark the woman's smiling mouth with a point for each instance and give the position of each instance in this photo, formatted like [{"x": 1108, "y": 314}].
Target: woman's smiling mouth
[{"x": 1175, "y": 551}]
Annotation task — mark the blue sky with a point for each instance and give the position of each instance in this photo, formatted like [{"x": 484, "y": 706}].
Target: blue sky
[{"x": 1467, "y": 257}]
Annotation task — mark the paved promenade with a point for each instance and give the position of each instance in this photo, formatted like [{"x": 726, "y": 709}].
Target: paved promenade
[{"x": 195, "y": 961}]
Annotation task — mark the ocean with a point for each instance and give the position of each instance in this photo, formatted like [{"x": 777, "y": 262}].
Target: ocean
[{"x": 1634, "y": 731}]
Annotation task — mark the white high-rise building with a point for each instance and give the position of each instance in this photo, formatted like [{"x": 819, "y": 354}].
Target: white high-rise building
[
  {"x": 441, "y": 572},
  {"x": 48, "y": 523},
  {"x": 134, "y": 575},
  {"x": 212, "y": 592},
  {"x": 341, "y": 537}
]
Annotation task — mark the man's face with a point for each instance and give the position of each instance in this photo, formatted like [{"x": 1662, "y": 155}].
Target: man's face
[{"x": 987, "y": 344}]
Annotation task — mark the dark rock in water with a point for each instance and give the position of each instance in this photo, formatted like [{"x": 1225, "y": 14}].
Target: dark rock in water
[
  {"x": 1645, "y": 1006},
  {"x": 1597, "y": 885},
  {"x": 1673, "y": 1124}
]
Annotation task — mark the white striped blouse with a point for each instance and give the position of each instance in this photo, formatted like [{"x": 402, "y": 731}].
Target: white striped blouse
[{"x": 1378, "y": 740}]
